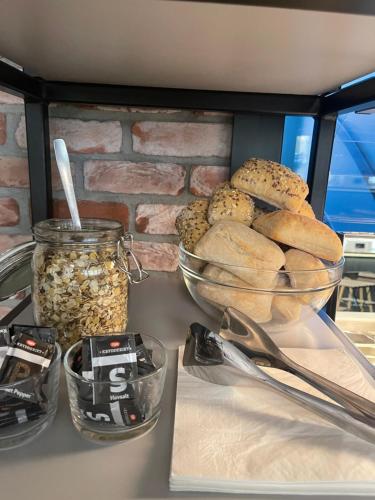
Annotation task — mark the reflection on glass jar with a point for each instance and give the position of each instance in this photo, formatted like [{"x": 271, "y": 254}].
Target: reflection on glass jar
[{"x": 80, "y": 285}]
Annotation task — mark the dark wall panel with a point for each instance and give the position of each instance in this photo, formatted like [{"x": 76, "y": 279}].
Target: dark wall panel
[{"x": 256, "y": 135}]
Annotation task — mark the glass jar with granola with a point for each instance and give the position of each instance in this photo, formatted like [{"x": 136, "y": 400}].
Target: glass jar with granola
[{"x": 80, "y": 278}]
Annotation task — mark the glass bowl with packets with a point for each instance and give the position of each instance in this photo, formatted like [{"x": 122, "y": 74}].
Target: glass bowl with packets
[
  {"x": 115, "y": 385},
  {"x": 29, "y": 382},
  {"x": 256, "y": 246}
]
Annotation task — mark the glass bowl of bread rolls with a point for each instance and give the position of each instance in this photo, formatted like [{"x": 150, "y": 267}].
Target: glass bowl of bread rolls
[{"x": 257, "y": 246}]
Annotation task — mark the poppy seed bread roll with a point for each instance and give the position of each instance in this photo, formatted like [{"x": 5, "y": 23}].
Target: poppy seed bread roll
[
  {"x": 229, "y": 203},
  {"x": 301, "y": 232},
  {"x": 242, "y": 251},
  {"x": 191, "y": 223},
  {"x": 233, "y": 293},
  {"x": 271, "y": 182}
]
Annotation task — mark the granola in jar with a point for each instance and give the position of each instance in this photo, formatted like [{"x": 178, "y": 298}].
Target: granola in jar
[{"x": 79, "y": 283}]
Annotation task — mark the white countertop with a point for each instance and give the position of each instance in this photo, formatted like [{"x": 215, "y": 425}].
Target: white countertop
[{"x": 61, "y": 465}]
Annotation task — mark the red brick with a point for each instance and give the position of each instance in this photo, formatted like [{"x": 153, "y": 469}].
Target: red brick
[
  {"x": 109, "y": 107},
  {"x": 14, "y": 173},
  {"x": 9, "y": 212},
  {"x": 94, "y": 209},
  {"x": 10, "y": 240},
  {"x": 3, "y": 128},
  {"x": 181, "y": 139},
  {"x": 134, "y": 178},
  {"x": 81, "y": 136},
  {"x": 204, "y": 179},
  {"x": 101, "y": 107},
  {"x": 213, "y": 113},
  {"x": 157, "y": 111},
  {"x": 131, "y": 109},
  {"x": 157, "y": 256},
  {"x": 4, "y": 310},
  {"x": 157, "y": 219},
  {"x": 6, "y": 98}
]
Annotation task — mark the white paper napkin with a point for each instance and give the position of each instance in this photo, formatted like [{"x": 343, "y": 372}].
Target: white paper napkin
[{"x": 252, "y": 440}]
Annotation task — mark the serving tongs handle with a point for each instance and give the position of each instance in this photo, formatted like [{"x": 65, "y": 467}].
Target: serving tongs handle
[
  {"x": 359, "y": 407},
  {"x": 255, "y": 342},
  {"x": 340, "y": 417}
]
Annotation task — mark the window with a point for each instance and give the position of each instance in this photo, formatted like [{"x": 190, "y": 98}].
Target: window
[
  {"x": 350, "y": 208},
  {"x": 297, "y": 143},
  {"x": 350, "y": 202}
]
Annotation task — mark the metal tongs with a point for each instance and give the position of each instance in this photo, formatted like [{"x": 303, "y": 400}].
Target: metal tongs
[{"x": 232, "y": 358}]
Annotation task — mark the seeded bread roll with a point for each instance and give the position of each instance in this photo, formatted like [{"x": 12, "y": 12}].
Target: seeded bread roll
[
  {"x": 258, "y": 211},
  {"x": 299, "y": 231},
  {"x": 243, "y": 252},
  {"x": 285, "y": 308},
  {"x": 306, "y": 209},
  {"x": 191, "y": 223},
  {"x": 271, "y": 182},
  {"x": 256, "y": 306},
  {"x": 300, "y": 266},
  {"x": 229, "y": 203}
]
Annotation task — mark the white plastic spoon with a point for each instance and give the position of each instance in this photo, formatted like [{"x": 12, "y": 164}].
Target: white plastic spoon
[{"x": 63, "y": 164}]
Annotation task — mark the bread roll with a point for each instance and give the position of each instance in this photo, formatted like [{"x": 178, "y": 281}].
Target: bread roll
[
  {"x": 253, "y": 256},
  {"x": 299, "y": 231},
  {"x": 285, "y": 308},
  {"x": 306, "y": 209},
  {"x": 271, "y": 182},
  {"x": 300, "y": 266},
  {"x": 191, "y": 223},
  {"x": 230, "y": 204},
  {"x": 258, "y": 211},
  {"x": 256, "y": 306}
]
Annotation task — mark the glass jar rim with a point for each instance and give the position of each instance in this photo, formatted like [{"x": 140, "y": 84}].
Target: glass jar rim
[{"x": 93, "y": 231}]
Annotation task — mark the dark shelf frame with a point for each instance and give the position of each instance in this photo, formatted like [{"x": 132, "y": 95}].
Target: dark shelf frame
[
  {"x": 258, "y": 117},
  {"x": 361, "y": 7}
]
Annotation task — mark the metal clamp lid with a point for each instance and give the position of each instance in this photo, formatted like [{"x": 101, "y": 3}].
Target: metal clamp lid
[
  {"x": 126, "y": 244},
  {"x": 15, "y": 269}
]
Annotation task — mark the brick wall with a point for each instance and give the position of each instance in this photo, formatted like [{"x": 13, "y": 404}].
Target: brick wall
[
  {"x": 139, "y": 165},
  {"x": 14, "y": 195}
]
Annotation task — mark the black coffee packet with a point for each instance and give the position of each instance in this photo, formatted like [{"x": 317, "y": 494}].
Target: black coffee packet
[
  {"x": 4, "y": 343},
  {"x": 41, "y": 333},
  {"x": 26, "y": 357},
  {"x": 114, "y": 359},
  {"x": 82, "y": 364},
  {"x": 117, "y": 413},
  {"x": 17, "y": 411},
  {"x": 77, "y": 362},
  {"x": 20, "y": 414},
  {"x": 145, "y": 364},
  {"x": 86, "y": 364}
]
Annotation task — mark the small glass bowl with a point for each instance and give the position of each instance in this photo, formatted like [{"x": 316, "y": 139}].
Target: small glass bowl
[
  {"x": 23, "y": 421},
  {"x": 273, "y": 298},
  {"x": 109, "y": 422}
]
